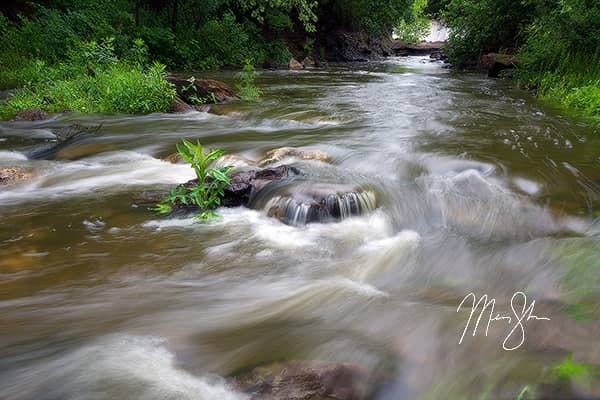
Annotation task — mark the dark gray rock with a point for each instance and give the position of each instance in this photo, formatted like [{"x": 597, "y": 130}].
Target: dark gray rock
[{"x": 305, "y": 380}]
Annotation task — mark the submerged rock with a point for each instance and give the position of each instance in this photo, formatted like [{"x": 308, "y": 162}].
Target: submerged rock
[
  {"x": 306, "y": 380},
  {"x": 14, "y": 174},
  {"x": 319, "y": 203},
  {"x": 67, "y": 136},
  {"x": 180, "y": 106},
  {"x": 279, "y": 154},
  {"x": 233, "y": 160}
]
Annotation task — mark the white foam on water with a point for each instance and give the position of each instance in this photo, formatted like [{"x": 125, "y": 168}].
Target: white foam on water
[
  {"x": 278, "y": 236},
  {"x": 381, "y": 255},
  {"x": 116, "y": 367},
  {"x": 300, "y": 297},
  {"x": 108, "y": 171},
  {"x": 8, "y": 156},
  {"x": 527, "y": 186},
  {"x": 475, "y": 204}
]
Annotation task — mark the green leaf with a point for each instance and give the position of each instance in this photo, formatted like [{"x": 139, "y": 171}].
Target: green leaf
[
  {"x": 218, "y": 175},
  {"x": 162, "y": 208}
]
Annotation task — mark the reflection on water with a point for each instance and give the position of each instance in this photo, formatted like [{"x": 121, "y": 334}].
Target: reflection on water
[{"x": 479, "y": 188}]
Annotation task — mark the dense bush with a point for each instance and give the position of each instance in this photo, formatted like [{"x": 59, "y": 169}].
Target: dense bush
[
  {"x": 416, "y": 25},
  {"x": 483, "y": 26},
  {"x": 117, "y": 87}
]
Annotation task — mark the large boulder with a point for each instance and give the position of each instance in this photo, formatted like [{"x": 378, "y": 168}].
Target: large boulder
[
  {"x": 306, "y": 380},
  {"x": 202, "y": 91},
  {"x": 67, "y": 137}
]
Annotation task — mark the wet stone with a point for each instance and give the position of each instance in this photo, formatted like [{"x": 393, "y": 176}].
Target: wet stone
[
  {"x": 279, "y": 154},
  {"x": 320, "y": 203},
  {"x": 305, "y": 380},
  {"x": 14, "y": 174}
]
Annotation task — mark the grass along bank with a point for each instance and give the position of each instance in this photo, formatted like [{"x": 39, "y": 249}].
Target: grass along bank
[{"x": 93, "y": 80}]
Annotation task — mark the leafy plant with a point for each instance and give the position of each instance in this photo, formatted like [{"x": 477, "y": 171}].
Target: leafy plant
[
  {"x": 210, "y": 188},
  {"x": 415, "y": 27},
  {"x": 193, "y": 97},
  {"x": 247, "y": 88},
  {"x": 568, "y": 369}
]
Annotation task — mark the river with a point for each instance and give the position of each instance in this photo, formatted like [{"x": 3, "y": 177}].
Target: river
[{"x": 480, "y": 188}]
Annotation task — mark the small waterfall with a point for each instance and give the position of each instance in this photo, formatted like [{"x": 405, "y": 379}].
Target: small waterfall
[{"x": 317, "y": 208}]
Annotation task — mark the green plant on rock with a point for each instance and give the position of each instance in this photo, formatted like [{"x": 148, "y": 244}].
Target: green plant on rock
[
  {"x": 247, "y": 88},
  {"x": 194, "y": 98},
  {"x": 210, "y": 188}
]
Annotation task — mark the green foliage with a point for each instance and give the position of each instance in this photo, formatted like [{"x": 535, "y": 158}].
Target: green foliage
[
  {"x": 126, "y": 89},
  {"x": 557, "y": 43},
  {"x": 483, "y": 26},
  {"x": 376, "y": 17},
  {"x": 247, "y": 88},
  {"x": 416, "y": 26},
  {"x": 560, "y": 58},
  {"x": 306, "y": 10},
  {"x": 567, "y": 369},
  {"x": 220, "y": 42},
  {"x": 191, "y": 92},
  {"x": 208, "y": 192},
  {"x": 116, "y": 88},
  {"x": 277, "y": 52}
]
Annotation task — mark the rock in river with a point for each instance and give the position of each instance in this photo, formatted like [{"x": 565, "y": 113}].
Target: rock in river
[
  {"x": 308, "y": 203},
  {"x": 305, "y": 380},
  {"x": 14, "y": 174},
  {"x": 207, "y": 90},
  {"x": 279, "y": 154},
  {"x": 295, "y": 64}
]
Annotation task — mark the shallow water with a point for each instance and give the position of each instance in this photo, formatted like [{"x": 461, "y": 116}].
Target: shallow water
[{"x": 480, "y": 188}]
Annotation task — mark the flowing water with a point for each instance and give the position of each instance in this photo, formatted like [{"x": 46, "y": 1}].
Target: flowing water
[{"x": 479, "y": 188}]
